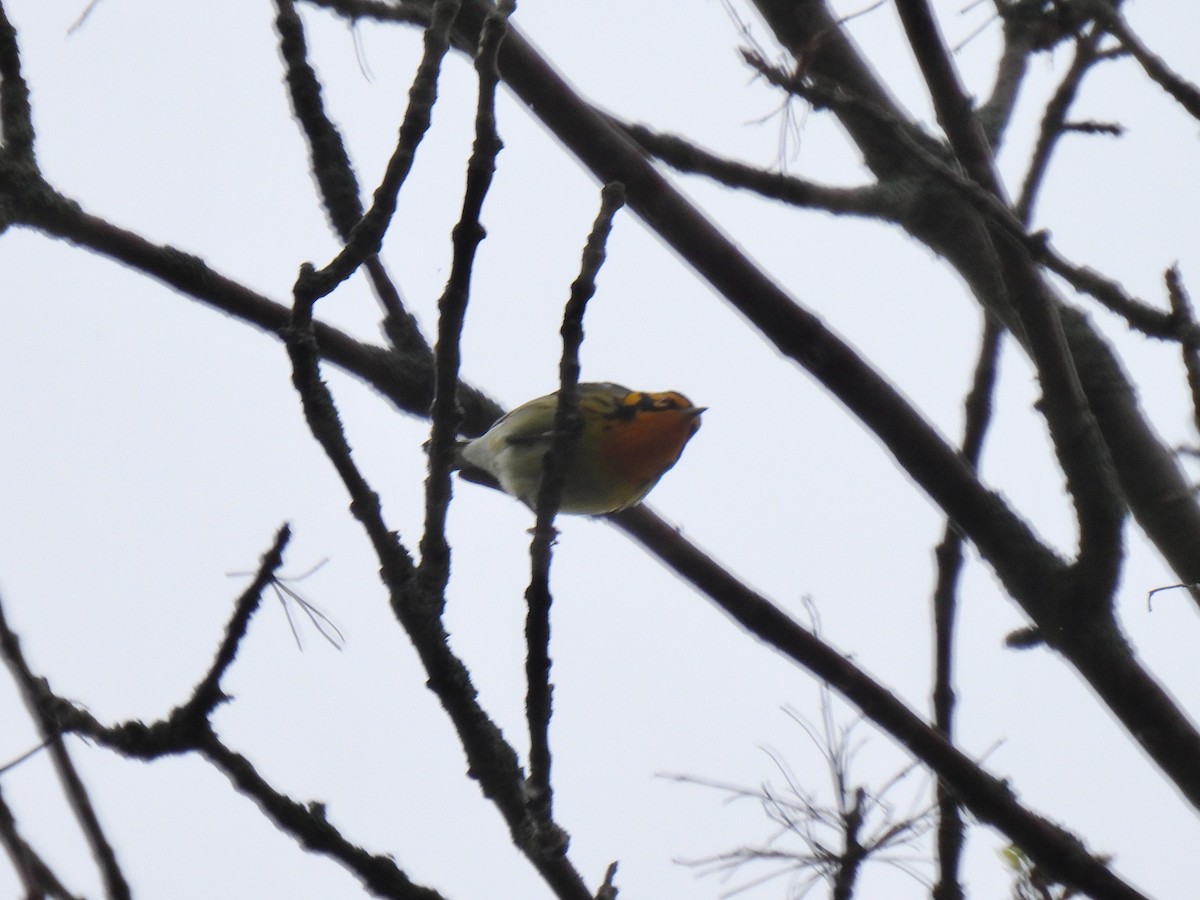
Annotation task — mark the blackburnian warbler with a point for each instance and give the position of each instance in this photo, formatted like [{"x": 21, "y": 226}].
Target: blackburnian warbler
[{"x": 629, "y": 439}]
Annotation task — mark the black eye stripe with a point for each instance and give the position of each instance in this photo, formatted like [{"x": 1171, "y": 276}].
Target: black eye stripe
[
  {"x": 624, "y": 413},
  {"x": 641, "y": 402}
]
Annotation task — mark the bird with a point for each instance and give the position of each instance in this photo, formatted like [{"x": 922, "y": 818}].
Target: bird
[{"x": 628, "y": 441}]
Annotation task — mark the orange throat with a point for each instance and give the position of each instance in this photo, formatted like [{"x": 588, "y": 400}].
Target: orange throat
[{"x": 641, "y": 449}]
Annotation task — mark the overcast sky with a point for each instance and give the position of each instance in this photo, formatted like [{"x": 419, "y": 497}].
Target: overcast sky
[{"x": 152, "y": 446}]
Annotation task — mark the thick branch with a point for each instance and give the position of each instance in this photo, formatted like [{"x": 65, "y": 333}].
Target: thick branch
[
  {"x": 1080, "y": 448},
  {"x": 16, "y": 117},
  {"x": 988, "y": 798}
]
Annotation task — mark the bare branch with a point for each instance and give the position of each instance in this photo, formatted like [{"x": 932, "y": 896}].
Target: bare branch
[
  {"x": 37, "y": 878},
  {"x": 995, "y": 114},
  {"x": 34, "y": 692},
  {"x": 1186, "y": 93},
  {"x": 988, "y": 798},
  {"x": 1081, "y": 452},
  {"x": 491, "y": 759},
  {"x": 452, "y": 309},
  {"x": 684, "y": 156},
  {"x": 949, "y": 557},
  {"x": 1183, "y": 311},
  {"x": 1140, "y": 315},
  {"x": 1054, "y": 120},
  {"x": 367, "y": 236},
  {"x": 308, "y": 825},
  {"x": 328, "y": 159},
  {"x": 207, "y": 693},
  {"x": 16, "y": 117},
  {"x": 568, "y": 425},
  {"x": 329, "y": 162}
]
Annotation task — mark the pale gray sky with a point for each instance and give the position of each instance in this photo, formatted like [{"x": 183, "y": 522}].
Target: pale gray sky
[{"x": 152, "y": 446}]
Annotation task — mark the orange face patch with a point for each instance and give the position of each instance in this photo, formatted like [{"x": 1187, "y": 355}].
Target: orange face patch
[{"x": 645, "y": 434}]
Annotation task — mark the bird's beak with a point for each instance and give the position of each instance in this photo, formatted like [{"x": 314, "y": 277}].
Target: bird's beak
[{"x": 695, "y": 411}]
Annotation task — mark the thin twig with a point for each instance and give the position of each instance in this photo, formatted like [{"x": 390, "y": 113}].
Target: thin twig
[
  {"x": 452, "y": 307},
  {"x": 684, "y": 156},
  {"x": 1183, "y": 311},
  {"x": 207, "y": 694},
  {"x": 566, "y": 431},
  {"x": 366, "y": 237},
  {"x": 1186, "y": 93},
  {"x": 329, "y": 162},
  {"x": 949, "y": 555},
  {"x": 1054, "y": 121},
  {"x": 608, "y": 890},
  {"x": 492, "y": 760},
  {"x": 324, "y": 625}
]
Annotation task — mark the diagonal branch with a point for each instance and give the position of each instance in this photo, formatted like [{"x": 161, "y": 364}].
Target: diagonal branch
[
  {"x": 989, "y": 799},
  {"x": 207, "y": 693},
  {"x": 1184, "y": 92},
  {"x": 1054, "y": 120},
  {"x": 37, "y": 878},
  {"x": 32, "y": 691},
  {"x": 404, "y": 375},
  {"x": 330, "y": 164},
  {"x": 378, "y": 873},
  {"x": 1078, "y": 442},
  {"x": 367, "y": 236},
  {"x": 683, "y": 156},
  {"x": 1181, "y": 308}
]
